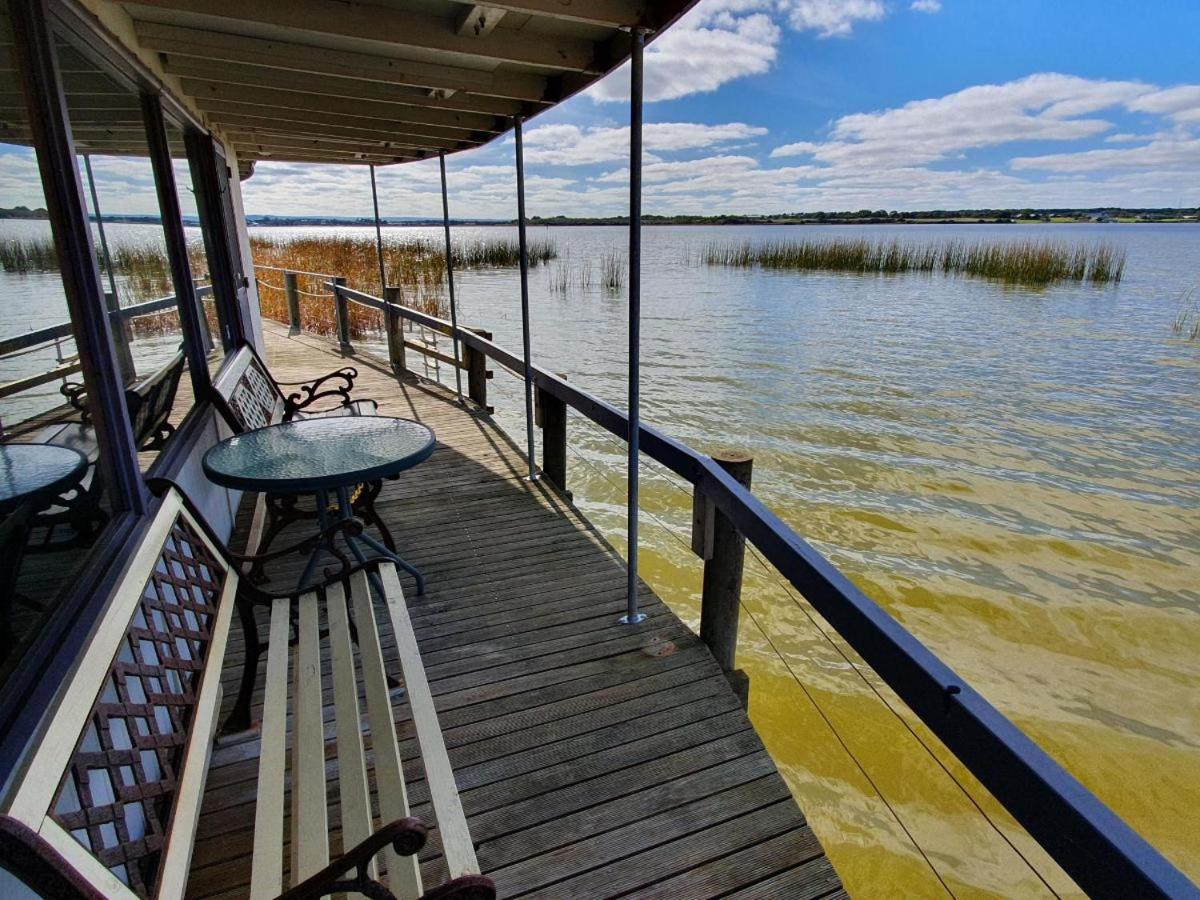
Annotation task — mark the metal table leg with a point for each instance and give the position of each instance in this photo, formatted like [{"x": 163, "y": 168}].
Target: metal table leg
[{"x": 346, "y": 512}]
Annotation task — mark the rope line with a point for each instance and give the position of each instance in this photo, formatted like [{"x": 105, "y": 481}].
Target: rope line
[
  {"x": 789, "y": 591},
  {"x": 811, "y": 699}
]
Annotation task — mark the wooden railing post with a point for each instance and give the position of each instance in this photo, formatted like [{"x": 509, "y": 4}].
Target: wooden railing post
[
  {"x": 477, "y": 373},
  {"x": 293, "y": 302},
  {"x": 723, "y": 549},
  {"x": 395, "y": 330},
  {"x": 341, "y": 312},
  {"x": 552, "y": 418},
  {"x": 122, "y": 334}
]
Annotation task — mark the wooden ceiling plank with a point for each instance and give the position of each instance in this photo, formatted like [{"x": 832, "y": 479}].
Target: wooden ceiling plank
[
  {"x": 218, "y": 109},
  {"x": 610, "y": 13},
  {"x": 204, "y": 91},
  {"x": 195, "y": 42},
  {"x": 354, "y": 144},
  {"x": 232, "y": 122},
  {"x": 397, "y": 27},
  {"x": 478, "y": 21}
]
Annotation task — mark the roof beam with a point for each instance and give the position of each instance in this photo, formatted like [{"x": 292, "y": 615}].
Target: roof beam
[
  {"x": 612, "y": 13},
  {"x": 481, "y": 111},
  {"x": 233, "y": 122},
  {"x": 247, "y": 156},
  {"x": 297, "y": 98},
  {"x": 355, "y": 143},
  {"x": 399, "y": 28},
  {"x": 195, "y": 42},
  {"x": 379, "y": 121},
  {"x": 322, "y": 145},
  {"x": 478, "y": 21}
]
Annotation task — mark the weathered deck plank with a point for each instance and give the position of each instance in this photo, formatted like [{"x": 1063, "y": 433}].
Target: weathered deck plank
[{"x": 587, "y": 765}]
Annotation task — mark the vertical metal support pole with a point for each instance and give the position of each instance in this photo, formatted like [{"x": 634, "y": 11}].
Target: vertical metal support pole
[
  {"x": 120, "y": 328},
  {"x": 720, "y": 604},
  {"x": 341, "y": 312},
  {"x": 292, "y": 291},
  {"x": 378, "y": 235},
  {"x": 395, "y": 330},
  {"x": 450, "y": 280},
  {"x": 521, "y": 239},
  {"x": 638, "y": 41}
]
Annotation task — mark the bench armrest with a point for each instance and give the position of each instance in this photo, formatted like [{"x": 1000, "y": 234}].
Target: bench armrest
[
  {"x": 31, "y": 859},
  {"x": 338, "y": 383},
  {"x": 406, "y": 836},
  {"x": 75, "y": 394}
]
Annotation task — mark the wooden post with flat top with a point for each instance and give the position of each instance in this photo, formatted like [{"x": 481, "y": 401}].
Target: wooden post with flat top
[
  {"x": 723, "y": 548},
  {"x": 552, "y": 417},
  {"x": 341, "y": 312},
  {"x": 292, "y": 292},
  {"x": 395, "y": 330},
  {"x": 477, "y": 373}
]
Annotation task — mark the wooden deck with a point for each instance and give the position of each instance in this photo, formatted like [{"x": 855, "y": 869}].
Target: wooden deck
[{"x": 593, "y": 759}]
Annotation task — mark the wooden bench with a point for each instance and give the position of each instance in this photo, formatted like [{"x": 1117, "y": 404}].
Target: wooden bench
[
  {"x": 249, "y": 397},
  {"x": 108, "y": 800},
  {"x": 150, "y": 402},
  {"x": 78, "y": 512}
]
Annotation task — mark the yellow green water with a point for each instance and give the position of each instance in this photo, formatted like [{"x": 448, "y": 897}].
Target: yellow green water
[{"x": 1011, "y": 474}]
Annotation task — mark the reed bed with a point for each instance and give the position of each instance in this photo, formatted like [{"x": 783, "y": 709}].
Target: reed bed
[
  {"x": 613, "y": 269},
  {"x": 1030, "y": 262},
  {"x": 417, "y": 266}
]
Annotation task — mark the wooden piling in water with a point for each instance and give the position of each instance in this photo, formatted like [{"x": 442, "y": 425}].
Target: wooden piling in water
[{"x": 723, "y": 549}]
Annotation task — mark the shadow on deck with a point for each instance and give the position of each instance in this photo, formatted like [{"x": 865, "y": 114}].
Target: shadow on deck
[{"x": 593, "y": 759}]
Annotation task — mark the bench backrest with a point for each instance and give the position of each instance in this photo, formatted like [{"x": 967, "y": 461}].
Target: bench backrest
[
  {"x": 150, "y": 401},
  {"x": 114, "y": 782},
  {"x": 246, "y": 393}
]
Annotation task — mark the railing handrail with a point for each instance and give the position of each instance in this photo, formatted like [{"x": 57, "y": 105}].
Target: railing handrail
[
  {"x": 63, "y": 329},
  {"x": 1092, "y": 844},
  {"x": 294, "y": 271}
]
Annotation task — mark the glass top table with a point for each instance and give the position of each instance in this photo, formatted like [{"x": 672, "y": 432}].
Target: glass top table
[
  {"x": 30, "y": 471},
  {"x": 323, "y": 456},
  {"x": 318, "y": 454}
]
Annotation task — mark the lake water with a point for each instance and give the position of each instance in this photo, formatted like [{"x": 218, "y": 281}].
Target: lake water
[{"x": 1011, "y": 473}]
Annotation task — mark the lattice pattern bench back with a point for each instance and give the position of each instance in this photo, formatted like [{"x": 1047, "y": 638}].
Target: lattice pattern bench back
[
  {"x": 249, "y": 392},
  {"x": 114, "y": 784}
]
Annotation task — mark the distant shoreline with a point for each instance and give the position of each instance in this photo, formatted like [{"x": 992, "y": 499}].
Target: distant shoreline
[{"x": 1100, "y": 216}]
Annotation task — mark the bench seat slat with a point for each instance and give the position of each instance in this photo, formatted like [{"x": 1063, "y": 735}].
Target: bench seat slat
[
  {"x": 267, "y": 878},
  {"x": 404, "y": 874},
  {"x": 310, "y": 829},
  {"x": 457, "y": 846},
  {"x": 352, "y": 770}
]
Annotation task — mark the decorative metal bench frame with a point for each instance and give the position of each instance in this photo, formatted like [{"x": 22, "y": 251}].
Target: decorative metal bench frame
[
  {"x": 249, "y": 397},
  {"x": 150, "y": 402},
  {"x": 107, "y": 802}
]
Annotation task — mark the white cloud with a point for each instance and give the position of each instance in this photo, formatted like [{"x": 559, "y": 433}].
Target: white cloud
[
  {"x": 1176, "y": 152},
  {"x": 831, "y": 18},
  {"x": 926, "y": 6},
  {"x": 571, "y": 145},
  {"x": 707, "y": 48},
  {"x": 1045, "y": 106},
  {"x": 1182, "y": 104}
]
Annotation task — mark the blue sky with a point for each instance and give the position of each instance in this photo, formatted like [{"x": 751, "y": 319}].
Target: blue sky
[{"x": 767, "y": 106}]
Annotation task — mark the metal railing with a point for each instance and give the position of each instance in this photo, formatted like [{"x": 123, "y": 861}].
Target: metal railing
[{"x": 1091, "y": 843}]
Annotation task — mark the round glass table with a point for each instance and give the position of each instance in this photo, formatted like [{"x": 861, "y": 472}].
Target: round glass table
[
  {"x": 33, "y": 472},
  {"x": 323, "y": 457}
]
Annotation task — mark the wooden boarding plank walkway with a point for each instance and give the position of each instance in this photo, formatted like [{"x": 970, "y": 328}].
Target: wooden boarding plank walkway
[{"x": 593, "y": 759}]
